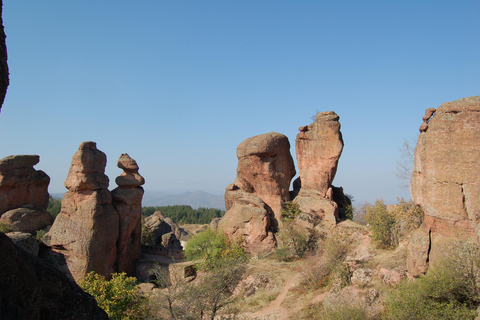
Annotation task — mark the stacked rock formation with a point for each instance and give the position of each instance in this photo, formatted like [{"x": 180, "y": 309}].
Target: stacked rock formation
[
  {"x": 23, "y": 194},
  {"x": 445, "y": 180},
  {"x": 319, "y": 147},
  {"x": 254, "y": 200},
  {"x": 86, "y": 230},
  {"x": 127, "y": 200}
]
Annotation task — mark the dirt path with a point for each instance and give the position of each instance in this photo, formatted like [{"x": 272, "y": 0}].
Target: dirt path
[{"x": 274, "y": 310}]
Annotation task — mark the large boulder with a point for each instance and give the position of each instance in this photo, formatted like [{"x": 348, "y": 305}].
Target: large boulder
[
  {"x": 86, "y": 230},
  {"x": 163, "y": 231},
  {"x": 127, "y": 200},
  {"x": 444, "y": 180},
  {"x": 26, "y": 220},
  {"x": 248, "y": 218},
  {"x": 319, "y": 147},
  {"x": 32, "y": 289},
  {"x": 21, "y": 185},
  {"x": 266, "y": 168}
]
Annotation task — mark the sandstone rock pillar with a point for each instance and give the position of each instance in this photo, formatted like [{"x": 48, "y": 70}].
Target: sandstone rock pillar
[
  {"x": 319, "y": 147},
  {"x": 254, "y": 200},
  {"x": 445, "y": 180},
  {"x": 86, "y": 230},
  {"x": 127, "y": 200}
]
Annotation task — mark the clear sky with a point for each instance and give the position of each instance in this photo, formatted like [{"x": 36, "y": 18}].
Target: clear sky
[{"x": 179, "y": 84}]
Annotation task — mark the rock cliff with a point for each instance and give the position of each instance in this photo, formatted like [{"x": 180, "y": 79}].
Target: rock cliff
[{"x": 445, "y": 179}]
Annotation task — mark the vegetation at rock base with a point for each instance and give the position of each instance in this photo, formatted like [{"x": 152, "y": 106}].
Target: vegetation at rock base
[
  {"x": 214, "y": 249},
  {"x": 450, "y": 290},
  {"x": 183, "y": 214},
  {"x": 119, "y": 296},
  {"x": 290, "y": 210}
]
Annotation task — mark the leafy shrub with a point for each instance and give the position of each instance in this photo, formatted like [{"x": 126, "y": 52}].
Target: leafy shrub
[
  {"x": 290, "y": 210},
  {"x": 346, "y": 213},
  {"x": 118, "y": 297},
  {"x": 214, "y": 248},
  {"x": 5, "y": 228},
  {"x": 382, "y": 224},
  {"x": 296, "y": 241},
  {"x": 329, "y": 263},
  {"x": 450, "y": 290}
]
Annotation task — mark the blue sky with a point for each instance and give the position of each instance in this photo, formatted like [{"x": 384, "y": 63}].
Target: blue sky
[{"x": 179, "y": 84}]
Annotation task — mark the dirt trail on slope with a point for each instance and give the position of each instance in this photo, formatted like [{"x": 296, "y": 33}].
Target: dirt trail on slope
[{"x": 275, "y": 310}]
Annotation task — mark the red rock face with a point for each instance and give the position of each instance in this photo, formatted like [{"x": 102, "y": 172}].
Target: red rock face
[
  {"x": 445, "y": 176},
  {"x": 127, "y": 200},
  {"x": 21, "y": 185},
  {"x": 319, "y": 146},
  {"x": 265, "y": 167},
  {"x": 254, "y": 201},
  {"x": 86, "y": 230}
]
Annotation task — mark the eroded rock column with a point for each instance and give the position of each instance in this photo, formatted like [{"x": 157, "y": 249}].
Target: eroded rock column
[
  {"x": 319, "y": 147},
  {"x": 86, "y": 230},
  {"x": 254, "y": 200},
  {"x": 127, "y": 200}
]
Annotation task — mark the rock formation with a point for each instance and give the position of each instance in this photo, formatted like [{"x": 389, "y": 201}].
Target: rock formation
[
  {"x": 86, "y": 230},
  {"x": 30, "y": 288},
  {"x": 163, "y": 232},
  {"x": 318, "y": 147},
  {"x": 26, "y": 220},
  {"x": 21, "y": 185},
  {"x": 254, "y": 200},
  {"x": 444, "y": 180},
  {"x": 127, "y": 200}
]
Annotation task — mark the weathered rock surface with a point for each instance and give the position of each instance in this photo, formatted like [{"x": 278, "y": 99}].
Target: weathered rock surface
[
  {"x": 22, "y": 185},
  {"x": 25, "y": 241},
  {"x": 127, "y": 201},
  {"x": 319, "y": 146},
  {"x": 26, "y": 220},
  {"x": 32, "y": 289},
  {"x": 248, "y": 218},
  {"x": 265, "y": 168},
  {"x": 86, "y": 230},
  {"x": 164, "y": 231},
  {"x": 444, "y": 180}
]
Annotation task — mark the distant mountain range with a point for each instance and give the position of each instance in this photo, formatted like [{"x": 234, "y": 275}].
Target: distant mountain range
[{"x": 195, "y": 199}]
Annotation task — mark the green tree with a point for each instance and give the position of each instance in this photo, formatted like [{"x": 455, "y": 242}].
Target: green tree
[
  {"x": 382, "y": 224},
  {"x": 119, "y": 297},
  {"x": 54, "y": 206}
]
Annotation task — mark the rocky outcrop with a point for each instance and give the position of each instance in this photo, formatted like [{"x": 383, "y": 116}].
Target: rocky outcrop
[
  {"x": 319, "y": 147},
  {"x": 32, "y": 289},
  {"x": 444, "y": 180},
  {"x": 25, "y": 241},
  {"x": 127, "y": 200},
  {"x": 266, "y": 168},
  {"x": 254, "y": 201},
  {"x": 248, "y": 218},
  {"x": 86, "y": 230},
  {"x": 21, "y": 185},
  {"x": 26, "y": 220},
  {"x": 163, "y": 231}
]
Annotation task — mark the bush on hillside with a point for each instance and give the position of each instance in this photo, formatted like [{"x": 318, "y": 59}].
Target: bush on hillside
[
  {"x": 382, "y": 223},
  {"x": 214, "y": 249},
  {"x": 450, "y": 290},
  {"x": 119, "y": 297}
]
